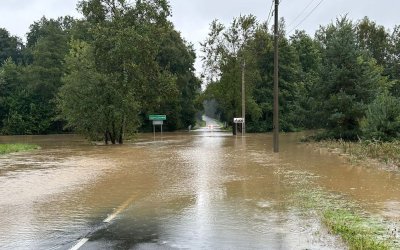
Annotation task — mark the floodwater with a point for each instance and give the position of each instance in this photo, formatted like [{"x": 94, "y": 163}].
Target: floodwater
[{"x": 197, "y": 190}]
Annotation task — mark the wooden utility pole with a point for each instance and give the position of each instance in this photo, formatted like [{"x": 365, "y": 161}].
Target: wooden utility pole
[
  {"x": 276, "y": 79},
  {"x": 243, "y": 98}
]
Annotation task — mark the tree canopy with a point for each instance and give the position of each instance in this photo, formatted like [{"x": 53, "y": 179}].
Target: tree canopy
[
  {"x": 101, "y": 75},
  {"x": 328, "y": 81}
]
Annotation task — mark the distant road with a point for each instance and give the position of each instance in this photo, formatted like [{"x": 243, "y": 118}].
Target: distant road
[{"x": 211, "y": 124}]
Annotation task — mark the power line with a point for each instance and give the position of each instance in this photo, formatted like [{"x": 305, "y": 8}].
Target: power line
[
  {"x": 308, "y": 15},
  {"x": 301, "y": 13},
  {"x": 270, "y": 13}
]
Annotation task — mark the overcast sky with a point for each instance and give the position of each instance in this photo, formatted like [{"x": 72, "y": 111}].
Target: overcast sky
[{"x": 192, "y": 17}]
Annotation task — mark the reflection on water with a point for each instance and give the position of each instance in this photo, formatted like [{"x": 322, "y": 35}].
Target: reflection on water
[{"x": 185, "y": 190}]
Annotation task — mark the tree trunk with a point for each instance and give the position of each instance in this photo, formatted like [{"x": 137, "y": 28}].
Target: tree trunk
[
  {"x": 121, "y": 139},
  {"x": 113, "y": 134},
  {"x": 106, "y": 137},
  {"x": 121, "y": 132},
  {"x": 112, "y": 137}
]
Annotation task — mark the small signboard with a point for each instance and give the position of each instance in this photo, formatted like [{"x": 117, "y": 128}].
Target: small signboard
[
  {"x": 157, "y": 117},
  {"x": 158, "y": 120},
  {"x": 238, "y": 120},
  {"x": 155, "y": 122}
]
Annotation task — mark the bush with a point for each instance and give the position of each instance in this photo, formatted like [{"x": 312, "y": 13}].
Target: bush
[
  {"x": 258, "y": 127},
  {"x": 382, "y": 120}
]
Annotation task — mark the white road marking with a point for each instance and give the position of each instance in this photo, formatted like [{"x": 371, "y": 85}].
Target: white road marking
[
  {"x": 108, "y": 220},
  {"x": 80, "y": 244},
  {"x": 119, "y": 209}
]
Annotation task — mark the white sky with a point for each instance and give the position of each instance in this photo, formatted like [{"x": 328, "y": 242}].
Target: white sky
[{"x": 192, "y": 17}]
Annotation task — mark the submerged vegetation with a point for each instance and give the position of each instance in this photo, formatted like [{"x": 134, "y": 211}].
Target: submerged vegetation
[
  {"x": 359, "y": 232},
  {"x": 385, "y": 154},
  {"x": 341, "y": 216},
  {"x": 13, "y": 148}
]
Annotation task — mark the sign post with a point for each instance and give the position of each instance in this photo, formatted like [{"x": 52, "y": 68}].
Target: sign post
[
  {"x": 236, "y": 121},
  {"x": 158, "y": 120}
]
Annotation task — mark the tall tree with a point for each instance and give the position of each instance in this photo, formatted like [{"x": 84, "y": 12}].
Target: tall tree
[
  {"x": 48, "y": 45},
  {"x": 258, "y": 52},
  {"x": 310, "y": 61},
  {"x": 148, "y": 67},
  {"x": 350, "y": 79},
  {"x": 394, "y": 61},
  {"x": 177, "y": 57},
  {"x": 374, "y": 39},
  {"x": 10, "y": 47},
  {"x": 10, "y": 79},
  {"x": 289, "y": 81},
  {"x": 224, "y": 57},
  {"x": 90, "y": 101}
]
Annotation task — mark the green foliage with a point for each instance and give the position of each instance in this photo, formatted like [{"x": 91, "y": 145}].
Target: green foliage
[
  {"x": 341, "y": 216},
  {"x": 349, "y": 80},
  {"x": 177, "y": 57},
  {"x": 374, "y": 39},
  {"x": 382, "y": 121},
  {"x": 354, "y": 229},
  {"x": 225, "y": 58},
  {"x": 387, "y": 153},
  {"x": 10, "y": 47},
  {"x": 393, "y": 65},
  {"x": 326, "y": 82},
  {"x": 28, "y": 90},
  {"x": 308, "y": 110},
  {"x": 127, "y": 58},
  {"x": 93, "y": 103},
  {"x": 15, "y": 106},
  {"x": 133, "y": 64},
  {"x": 12, "y": 148},
  {"x": 225, "y": 50}
]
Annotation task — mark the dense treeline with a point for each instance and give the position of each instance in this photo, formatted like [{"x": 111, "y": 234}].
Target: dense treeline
[
  {"x": 345, "y": 79},
  {"x": 101, "y": 75}
]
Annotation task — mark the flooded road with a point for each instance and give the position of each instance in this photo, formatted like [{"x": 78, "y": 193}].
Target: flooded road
[{"x": 198, "y": 190}]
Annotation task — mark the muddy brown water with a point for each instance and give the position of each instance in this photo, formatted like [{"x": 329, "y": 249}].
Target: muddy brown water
[{"x": 199, "y": 190}]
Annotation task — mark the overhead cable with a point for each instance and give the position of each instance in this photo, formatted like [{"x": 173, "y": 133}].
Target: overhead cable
[
  {"x": 308, "y": 15},
  {"x": 301, "y": 13},
  {"x": 270, "y": 13}
]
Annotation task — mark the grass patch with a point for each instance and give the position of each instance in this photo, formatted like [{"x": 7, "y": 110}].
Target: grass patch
[
  {"x": 358, "y": 232},
  {"x": 384, "y": 152},
  {"x": 12, "y": 148},
  {"x": 341, "y": 216}
]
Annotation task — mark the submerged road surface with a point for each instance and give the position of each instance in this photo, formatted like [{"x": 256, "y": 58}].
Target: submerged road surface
[{"x": 198, "y": 190}]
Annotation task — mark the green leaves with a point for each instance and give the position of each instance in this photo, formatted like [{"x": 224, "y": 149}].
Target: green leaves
[
  {"x": 350, "y": 80},
  {"x": 382, "y": 120},
  {"x": 95, "y": 103},
  {"x": 10, "y": 47},
  {"x": 134, "y": 64}
]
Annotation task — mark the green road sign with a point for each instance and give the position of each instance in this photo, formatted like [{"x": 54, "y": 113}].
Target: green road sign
[{"x": 157, "y": 117}]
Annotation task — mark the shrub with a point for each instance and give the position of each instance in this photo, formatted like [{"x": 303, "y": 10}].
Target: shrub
[{"x": 382, "y": 119}]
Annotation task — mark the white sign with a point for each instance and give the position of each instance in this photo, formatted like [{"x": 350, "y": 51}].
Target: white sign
[
  {"x": 238, "y": 120},
  {"x": 158, "y": 122}
]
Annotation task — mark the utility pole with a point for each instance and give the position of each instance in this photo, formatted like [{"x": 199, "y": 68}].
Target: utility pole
[
  {"x": 243, "y": 98},
  {"x": 276, "y": 80}
]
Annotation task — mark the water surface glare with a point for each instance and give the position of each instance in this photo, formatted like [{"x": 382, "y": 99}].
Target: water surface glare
[{"x": 198, "y": 190}]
